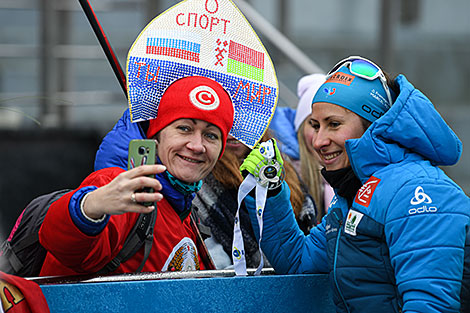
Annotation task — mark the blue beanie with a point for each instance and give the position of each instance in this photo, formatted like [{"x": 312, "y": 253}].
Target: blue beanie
[{"x": 366, "y": 98}]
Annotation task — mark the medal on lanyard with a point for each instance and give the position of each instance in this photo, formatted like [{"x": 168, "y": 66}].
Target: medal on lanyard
[{"x": 267, "y": 178}]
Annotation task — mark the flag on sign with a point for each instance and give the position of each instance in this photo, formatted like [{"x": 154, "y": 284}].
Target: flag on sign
[
  {"x": 245, "y": 61},
  {"x": 177, "y": 48}
]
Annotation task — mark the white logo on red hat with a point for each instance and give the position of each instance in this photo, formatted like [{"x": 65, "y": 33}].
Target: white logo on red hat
[{"x": 204, "y": 97}]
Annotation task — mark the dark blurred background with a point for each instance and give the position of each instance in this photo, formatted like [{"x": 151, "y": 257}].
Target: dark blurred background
[
  {"x": 59, "y": 96},
  {"x": 36, "y": 162}
]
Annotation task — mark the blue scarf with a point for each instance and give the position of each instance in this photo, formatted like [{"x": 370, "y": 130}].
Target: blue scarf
[{"x": 179, "y": 194}]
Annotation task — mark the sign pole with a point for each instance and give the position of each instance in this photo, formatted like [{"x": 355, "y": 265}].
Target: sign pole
[{"x": 103, "y": 40}]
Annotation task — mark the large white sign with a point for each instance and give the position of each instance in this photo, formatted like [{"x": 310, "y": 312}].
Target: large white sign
[{"x": 208, "y": 38}]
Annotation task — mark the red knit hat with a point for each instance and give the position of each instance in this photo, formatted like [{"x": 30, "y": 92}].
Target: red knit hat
[{"x": 195, "y": 97}]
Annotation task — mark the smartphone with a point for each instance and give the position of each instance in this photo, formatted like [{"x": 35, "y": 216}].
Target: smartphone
[{"x": 141, "y": 152}]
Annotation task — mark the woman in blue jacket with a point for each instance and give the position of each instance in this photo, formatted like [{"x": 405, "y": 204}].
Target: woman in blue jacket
[{"x": 395, "y": 234}]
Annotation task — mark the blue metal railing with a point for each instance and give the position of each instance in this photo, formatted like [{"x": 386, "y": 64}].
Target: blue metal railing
[{"x": 204, "y": 291}]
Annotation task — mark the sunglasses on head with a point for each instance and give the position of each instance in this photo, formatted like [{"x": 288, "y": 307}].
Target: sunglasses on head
[{"x": 363, "y": 68}]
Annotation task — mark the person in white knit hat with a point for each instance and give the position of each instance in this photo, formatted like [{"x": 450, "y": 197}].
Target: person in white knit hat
[{"x": 309, "y": 168}]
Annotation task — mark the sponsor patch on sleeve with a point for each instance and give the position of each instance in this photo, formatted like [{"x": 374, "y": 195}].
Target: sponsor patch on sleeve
[
  {"x": 364, "y": 195},
  {"x": 352, "y": 222}
]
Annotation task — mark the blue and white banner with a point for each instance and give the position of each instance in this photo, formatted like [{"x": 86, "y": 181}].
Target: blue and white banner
[{"x": 208, "y": 38}]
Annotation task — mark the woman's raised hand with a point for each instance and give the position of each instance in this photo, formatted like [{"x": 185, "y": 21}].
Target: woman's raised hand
[{"x": 124, "y": 193}]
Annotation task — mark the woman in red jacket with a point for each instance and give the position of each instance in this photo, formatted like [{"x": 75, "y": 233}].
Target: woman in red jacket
[{"x": 86, "y": 228}]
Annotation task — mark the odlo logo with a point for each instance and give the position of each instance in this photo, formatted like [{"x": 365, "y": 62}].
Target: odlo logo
[{"x": 421, "y": 197}]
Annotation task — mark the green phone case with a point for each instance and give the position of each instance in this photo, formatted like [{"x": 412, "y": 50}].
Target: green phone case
[{"x": 142, "y": 152}]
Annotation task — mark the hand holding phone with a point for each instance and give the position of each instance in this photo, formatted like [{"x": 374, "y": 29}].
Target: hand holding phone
[{"x": 142, "y": 152}]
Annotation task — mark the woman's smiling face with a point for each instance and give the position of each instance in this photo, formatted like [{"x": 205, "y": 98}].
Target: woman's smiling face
[
  {"x": 189, "y": 148},
  {"x": 332, "y": 125}
]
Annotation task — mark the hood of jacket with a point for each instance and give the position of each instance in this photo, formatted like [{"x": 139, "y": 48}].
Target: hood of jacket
[
  {"x": 412, "y": 129},
  {"x": 114, "y": 148}
]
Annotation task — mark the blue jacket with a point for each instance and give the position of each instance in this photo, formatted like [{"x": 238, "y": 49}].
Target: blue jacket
[
  {"x": 115, "y": 145},
  {"x": 400, "y": 247}
]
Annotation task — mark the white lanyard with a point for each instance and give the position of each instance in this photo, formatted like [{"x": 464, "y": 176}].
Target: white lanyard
[{"x": 238, "y": 248}]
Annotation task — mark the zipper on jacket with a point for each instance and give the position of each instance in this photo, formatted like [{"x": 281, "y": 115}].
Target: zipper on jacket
[{"x": 338, "y": 236}]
